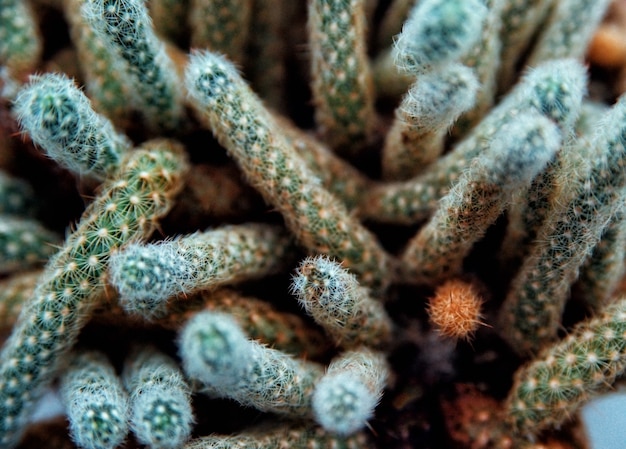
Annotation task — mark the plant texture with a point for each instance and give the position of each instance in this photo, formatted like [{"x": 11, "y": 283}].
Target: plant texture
[
  {"x": 402, "y": 225},
  {"x": 59, "y": 118},
  {"x": 146, "y": 276},
  {"x": 126, "y": 29},
  {"x": 518, "y": 152},
  {"x": 437, "y": 32},
  {"x": 97, "y": 405},
  {"x": 581, "y": 207},
  {"x": 24, "y": 243},
  {"x": 216, "y": 352},
  {"x": 455, "y": 309},
  {"x": 428, "y": 110},
  {"x": 126, "y": 210},
  {"x": 343, "y": 91},
  {"x": 333, "y": 297},
  {"x": 241, "y": 123},
  {"x": 160, "y": 403},
  {"x": 345, "y": 397},
  {"x": 20, "y": 41}
]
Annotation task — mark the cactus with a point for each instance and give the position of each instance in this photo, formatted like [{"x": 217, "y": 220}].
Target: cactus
[
  {"x": 520, "y": 20},
  {"x": 216, "y": 352},
  {"x": 342, "y": 89},
  {"x": 24, "y": 243},
  {"x": 455, "y": 309},
  {"x": 484, "y": 59},
  {"x": 126, "y": 210},
  {"x": 517, "y": 153},
  {"x": 555, "y": 89},
  {"x": 336, "y": 301},
  {"x": 567, "y": 374},
  {"x": 59, "y": 118},
  {"x": 20, "y": 40},
  {"x": 146, "y": 276},
  {"x": 14, "y": 293},
  {"x": 339, "y": 177},
  {"x": 96, "y": 403},
  {"x": 17, "y": 197},
  {"x": 568, "y": 30},
  {"x": 275, "y": 436},
  {"x": 160, "y": 407},
  {"x": 587, "y": 195},
  {"x": 429, "y": 108},
  {"x": 345, "y": 397},
  {"x": 104, "y": 82},
  {"x": 604, "y": 269},
  {"x": 437, "y": 32},
  {"x": 392, "y": 226},
  {"x": 221, "y": 26},
  {"x": 246, "y": 129},
  {"x": 126, "y": 29}
]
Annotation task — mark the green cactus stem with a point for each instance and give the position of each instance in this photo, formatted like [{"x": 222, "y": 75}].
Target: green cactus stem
[
  {"x": 251, "y": 136},
  {"x": 550, "y": 389},
  {"x": 24, "y": 243},
  {"x": 347, "y": 394},
  {"x": 146, "y": 276},
  {"x": 518, "y": 152},
  {"x": 428, "y": 110},
  {"x": 104, "y": 81},
  {"x": 342, "y": 83},
  {"x": 333, "y": 297},
  {"x": 216, "y": 352},
  {"x": 126, "y": 29},
  {"x": 96, "y": 403},
  {"x": 438, "y": 32},
  {"x": 126, "y": 210},
  {"x": 282, "y": 435},
  {"x": 17, "y": 197},
  {"x": 555, "y": 89},
  {"x": 160, "y": 399},
  {"x": 568, "y": 31},
  {"x": 59, "y": 118},
  {"x": 20, "y": 41},
  {"x": 587, "y": 195},
  {"x": 222, "y": 26}
]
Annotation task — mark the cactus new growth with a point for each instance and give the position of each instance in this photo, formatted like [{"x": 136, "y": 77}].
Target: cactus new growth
[
  {"x": 455, "y": 309},
  {"x": 59, "y": 118},
  {"x": 437, "y": 32},
  {"x": 402, "y": 224},
  {"x": 160, "y": 406},
  {"x": 345, "y": 397},
  {"x": 216, "y": 352},
  {"x": 428, "y": 110},
  {"x": 333, "y": 297},
  {"x": 96, "y": 403},
  {"x": 146, "y": 276}
]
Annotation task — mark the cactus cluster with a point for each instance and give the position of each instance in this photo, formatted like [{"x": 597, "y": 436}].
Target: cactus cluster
[{"x": 332, "y": 223}]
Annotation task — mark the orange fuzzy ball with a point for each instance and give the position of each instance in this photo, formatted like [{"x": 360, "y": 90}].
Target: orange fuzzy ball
[{"x": 455, "y": 309}]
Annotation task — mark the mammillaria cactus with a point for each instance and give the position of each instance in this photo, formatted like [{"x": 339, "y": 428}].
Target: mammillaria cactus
[
  {"x": 97, "y": 405},
  {"x": 397, "y": 212}
]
